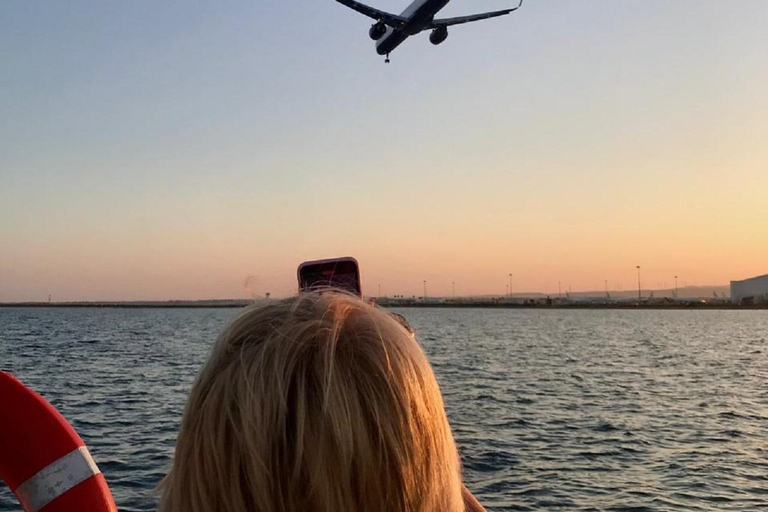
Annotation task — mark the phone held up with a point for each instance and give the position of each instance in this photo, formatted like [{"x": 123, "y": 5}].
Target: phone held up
[{"x": 338, "y": 273}]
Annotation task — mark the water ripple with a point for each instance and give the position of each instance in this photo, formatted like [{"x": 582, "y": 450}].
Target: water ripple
[{"x": 625, "y": 411}]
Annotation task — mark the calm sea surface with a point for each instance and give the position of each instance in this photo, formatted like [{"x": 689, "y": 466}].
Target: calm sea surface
[{"x": 552, "y": 410}]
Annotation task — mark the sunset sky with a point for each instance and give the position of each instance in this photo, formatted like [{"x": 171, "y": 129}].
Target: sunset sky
[{"x": 195, "y": 150}]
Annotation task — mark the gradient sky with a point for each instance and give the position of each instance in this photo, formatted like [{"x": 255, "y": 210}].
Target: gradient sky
[{"x": 176, "y": 150}]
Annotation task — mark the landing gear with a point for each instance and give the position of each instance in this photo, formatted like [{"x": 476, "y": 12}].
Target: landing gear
[{"x": 386, "y": 61}]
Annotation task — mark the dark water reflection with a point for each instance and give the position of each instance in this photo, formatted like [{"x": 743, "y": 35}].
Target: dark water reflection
[{"x": 579, "y": 410}]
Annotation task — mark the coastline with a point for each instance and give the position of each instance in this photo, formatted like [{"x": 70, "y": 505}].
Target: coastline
[
  {"x": 173, "y": 304},
  {"x": 408, "y": 303}
]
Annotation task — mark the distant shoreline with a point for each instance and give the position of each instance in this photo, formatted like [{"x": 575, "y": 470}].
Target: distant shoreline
[
  {"x": 585, "y": 305},
  {"x": 132, "y": 305},
  {"x": 232, "y": 304}
]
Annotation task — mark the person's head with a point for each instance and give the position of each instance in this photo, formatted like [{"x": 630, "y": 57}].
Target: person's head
[{"x": 317, "y": 403}]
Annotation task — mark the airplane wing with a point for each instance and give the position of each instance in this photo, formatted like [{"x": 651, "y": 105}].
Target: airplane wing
[
  {"x": 447, "y": 22},
  {"x": 392, "y": 20}
]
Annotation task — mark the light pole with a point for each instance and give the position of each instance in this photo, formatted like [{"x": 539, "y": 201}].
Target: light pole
[
  {"x": 453, "y": 289},
  {"x": 510, "y": 286},
  {"x": 425, "y": 290},
  {"x": 639, "y": 289},
  {"x": 676, "y": 294}
]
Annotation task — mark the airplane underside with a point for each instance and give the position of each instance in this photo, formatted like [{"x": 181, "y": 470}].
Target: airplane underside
[
  {"x": 391, "y": 30},
  {"x": 391, "y": 40},
  {"x": 419, "y": 19}
]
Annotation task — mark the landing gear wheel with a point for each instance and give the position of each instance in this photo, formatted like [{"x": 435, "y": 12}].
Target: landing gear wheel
[{"x": 386, "y": 61}]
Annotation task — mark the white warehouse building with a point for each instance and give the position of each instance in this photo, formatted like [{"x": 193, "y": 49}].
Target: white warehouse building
[{"x": 755, "y": 288}]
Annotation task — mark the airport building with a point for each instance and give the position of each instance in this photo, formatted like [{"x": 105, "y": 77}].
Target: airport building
[{"x": 753, "y": 288}]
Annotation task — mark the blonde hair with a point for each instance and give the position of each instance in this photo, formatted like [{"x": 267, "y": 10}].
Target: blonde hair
[{"x": 316, "y": 403}]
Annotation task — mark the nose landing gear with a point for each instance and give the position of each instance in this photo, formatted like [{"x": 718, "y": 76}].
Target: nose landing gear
[{"x": 386, "y": 60}]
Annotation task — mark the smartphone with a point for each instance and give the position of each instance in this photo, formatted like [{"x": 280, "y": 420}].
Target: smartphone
[{"x": 339, "y": 273}]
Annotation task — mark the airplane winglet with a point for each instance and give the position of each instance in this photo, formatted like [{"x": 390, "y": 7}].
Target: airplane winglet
[{"x": 447, "y": 22}]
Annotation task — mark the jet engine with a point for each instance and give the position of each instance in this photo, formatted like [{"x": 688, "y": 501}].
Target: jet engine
[
  {"x": 438, "y": 35},
  {"x": 377, "y": 31}
]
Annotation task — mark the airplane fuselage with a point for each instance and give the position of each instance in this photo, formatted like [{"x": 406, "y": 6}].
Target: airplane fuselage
[{"x": 419, "y": 14}]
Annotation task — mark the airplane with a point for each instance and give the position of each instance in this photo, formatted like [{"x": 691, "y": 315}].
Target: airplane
[{"x": 391, "y": 30}]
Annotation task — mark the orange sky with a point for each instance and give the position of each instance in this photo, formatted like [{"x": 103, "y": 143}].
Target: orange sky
[{"x": 174, "y": 164}]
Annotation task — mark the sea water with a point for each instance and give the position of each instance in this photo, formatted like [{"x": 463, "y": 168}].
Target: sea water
[{"x": 552, "y": 409}]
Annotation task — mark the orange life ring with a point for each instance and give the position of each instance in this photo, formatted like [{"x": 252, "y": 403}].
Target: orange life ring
[{"x": 42, "y": 459}]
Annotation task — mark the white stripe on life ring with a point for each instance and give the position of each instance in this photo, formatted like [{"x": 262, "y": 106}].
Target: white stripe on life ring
[{"x": 57, "y": 478}]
